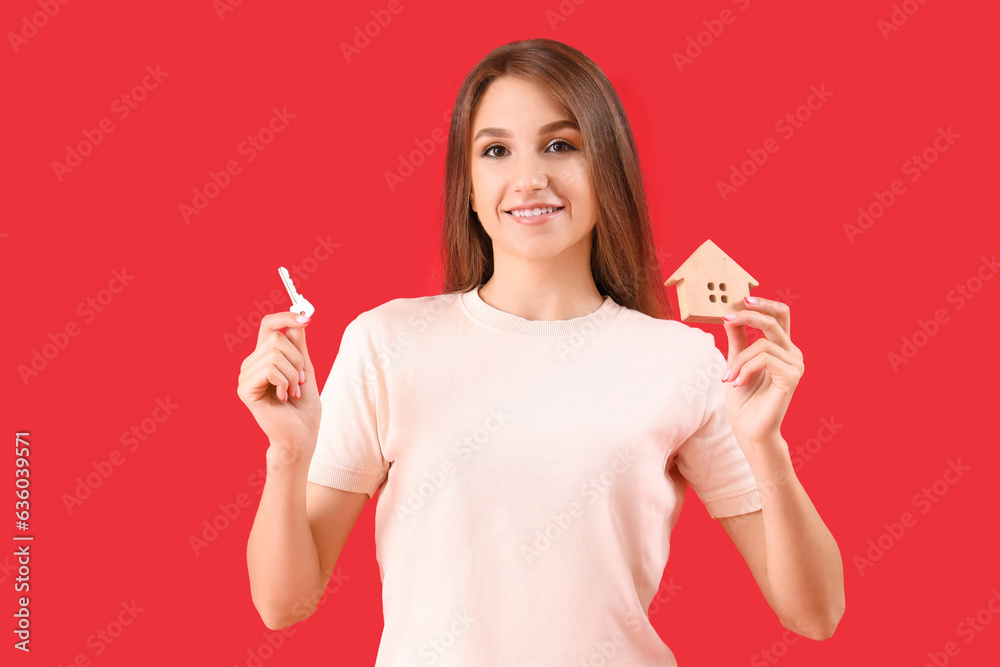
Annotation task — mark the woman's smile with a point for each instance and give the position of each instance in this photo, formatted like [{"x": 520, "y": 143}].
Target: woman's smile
[{"x": 535, "y": 216}]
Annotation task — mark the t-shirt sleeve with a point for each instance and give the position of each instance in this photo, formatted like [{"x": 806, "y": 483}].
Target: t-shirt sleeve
[
  {"x": 348, "y": 453},
  {"x": 711, "y": 459}
]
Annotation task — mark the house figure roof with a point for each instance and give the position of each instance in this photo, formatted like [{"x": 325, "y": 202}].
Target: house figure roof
[{"x": 710, "y": 284}]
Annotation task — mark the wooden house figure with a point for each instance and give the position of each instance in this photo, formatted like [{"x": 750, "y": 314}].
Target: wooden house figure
[{"x": 710, "y": 284}]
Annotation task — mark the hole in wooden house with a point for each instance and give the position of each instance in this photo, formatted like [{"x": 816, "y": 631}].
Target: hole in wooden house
[
  {"x": 711, "y": 286},
  {"x": 725, "y": 299},
  {"x": 711, "y": 297},
  {"x": 722, "y": 286}
]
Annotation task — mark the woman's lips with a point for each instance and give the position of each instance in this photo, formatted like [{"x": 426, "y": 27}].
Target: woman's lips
[{"x": 535, "y": 219}]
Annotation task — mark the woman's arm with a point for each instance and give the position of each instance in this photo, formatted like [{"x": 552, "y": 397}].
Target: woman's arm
[
  {"x": 789, "y": 550},
  {"x": 296, "y": 539}
]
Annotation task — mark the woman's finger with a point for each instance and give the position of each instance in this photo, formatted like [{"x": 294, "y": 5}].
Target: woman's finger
[
  {"x": 757, "y": 348},
  {"x": 779, "y": 310},
  {"x": 772, "y": 329},
  {"x": 297, "y": 338},
  {"x": 783, "y": 374},
  {"x": 271, "y": 366},
  {"x": 275, "y": 322}
]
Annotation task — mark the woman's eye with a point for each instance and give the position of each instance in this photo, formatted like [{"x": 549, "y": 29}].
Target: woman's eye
[
  {"x": 487, "y": 153},
  {"x": 497, "y": 147}
]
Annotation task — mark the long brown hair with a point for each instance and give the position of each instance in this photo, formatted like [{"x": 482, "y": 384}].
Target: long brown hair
[{"x": 623, "y": 260}]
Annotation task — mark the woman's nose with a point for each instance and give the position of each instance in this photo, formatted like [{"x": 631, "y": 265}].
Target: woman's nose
[{"x": 529, "y": 173}]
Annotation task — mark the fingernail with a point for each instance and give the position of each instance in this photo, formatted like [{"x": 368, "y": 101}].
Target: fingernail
[
  {"x": 751, "y": 299},
  {"x": 728, "y": 317},
  {"x": 302, "y": 377},
  {"x": 301, "y": 318},
  {"x": 285, "y": 392},
  {"x": 728, "y": 373},
  {"x": 298, "y": 391}
]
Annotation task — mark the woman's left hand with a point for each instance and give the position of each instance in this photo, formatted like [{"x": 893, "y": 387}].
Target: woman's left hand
[{"x": 762, "y": 375}]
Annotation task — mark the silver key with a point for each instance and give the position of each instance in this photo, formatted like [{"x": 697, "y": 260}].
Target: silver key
[{"x": 299, "y": 304}]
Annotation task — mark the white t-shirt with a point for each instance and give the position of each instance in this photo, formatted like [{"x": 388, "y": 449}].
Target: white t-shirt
[{"x": 530, "y": 473}]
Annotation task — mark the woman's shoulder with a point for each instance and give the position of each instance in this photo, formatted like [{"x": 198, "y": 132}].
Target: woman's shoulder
[
  {"x": 406, "y": 312},
  {"x": 660, "y": 329}
]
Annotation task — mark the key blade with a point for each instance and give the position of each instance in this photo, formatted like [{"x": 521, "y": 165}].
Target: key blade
[
  {"x": 299, "y": 303},
  {"x": 289, "y": 285}
]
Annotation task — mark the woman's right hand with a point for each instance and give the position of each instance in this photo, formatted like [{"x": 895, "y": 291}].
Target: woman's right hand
[{"x": 287, "y": 409}]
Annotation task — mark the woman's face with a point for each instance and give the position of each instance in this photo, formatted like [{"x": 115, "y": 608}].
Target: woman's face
[{"x": 527, "y": 152}]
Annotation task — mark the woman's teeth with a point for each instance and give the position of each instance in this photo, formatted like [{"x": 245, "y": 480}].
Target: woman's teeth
[{"x": 531, "y": 212}]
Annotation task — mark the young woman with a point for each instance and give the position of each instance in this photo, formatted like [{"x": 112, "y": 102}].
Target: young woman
[{"x": 533, "y": 428}]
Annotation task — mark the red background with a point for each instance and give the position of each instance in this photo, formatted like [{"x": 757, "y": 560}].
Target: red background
[{"x": 164, "y": 334}]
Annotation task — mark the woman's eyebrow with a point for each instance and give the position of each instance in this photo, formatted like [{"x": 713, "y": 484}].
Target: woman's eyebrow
[{"x": 545, "y": 129}]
